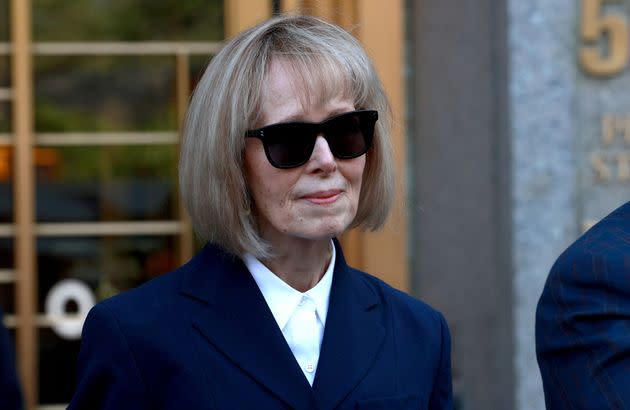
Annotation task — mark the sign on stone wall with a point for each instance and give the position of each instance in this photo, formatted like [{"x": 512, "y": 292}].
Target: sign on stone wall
[
  {"x": 570, "y": 129},
  {"x": 603, "y": 108}
]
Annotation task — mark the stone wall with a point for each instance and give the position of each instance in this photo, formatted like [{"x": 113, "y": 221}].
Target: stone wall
[{"x": 569, "y": 131}]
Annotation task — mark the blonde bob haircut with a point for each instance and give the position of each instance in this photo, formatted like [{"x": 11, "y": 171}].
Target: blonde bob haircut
[{"x": 327, "y": 61}]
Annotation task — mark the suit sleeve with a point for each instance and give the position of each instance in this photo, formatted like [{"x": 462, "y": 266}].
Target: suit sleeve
[
  {"x": 442, "y": 395},
  {"x": 10, "y": 393},
  {"x": 107, "y": 377},
  {"x": 583, "y": 330}
]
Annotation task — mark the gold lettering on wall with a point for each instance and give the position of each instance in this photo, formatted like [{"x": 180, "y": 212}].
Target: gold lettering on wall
[
  {"x": 604, "y": 52},
  {"x": 615, "y": 126},
  {"x": 604, "y": 38},
  {"x": 601, "y": 168},
  {"x": 623, "y": 166},
  {"x": 611, "y": 162},
  {"x": 611, "y": 166}
]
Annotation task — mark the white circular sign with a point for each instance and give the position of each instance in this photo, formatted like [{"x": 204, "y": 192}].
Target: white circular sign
[{"x": 69, "y": 325}]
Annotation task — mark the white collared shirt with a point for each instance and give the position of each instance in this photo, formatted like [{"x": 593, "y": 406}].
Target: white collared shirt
[{"x": 300, "y": 316}]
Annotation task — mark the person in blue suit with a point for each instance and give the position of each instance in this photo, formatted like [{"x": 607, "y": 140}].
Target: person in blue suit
[
  {"x": 583, "y": 320},
  {"x": 285, "y": 146},
  {"x": 10, "y": 392}
]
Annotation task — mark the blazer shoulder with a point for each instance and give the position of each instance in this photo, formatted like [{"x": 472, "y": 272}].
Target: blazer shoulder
[
  {"x": 157, "y": 289},
  {"x": 608, "y": 241},
  {"x": 158, "y": 301}
]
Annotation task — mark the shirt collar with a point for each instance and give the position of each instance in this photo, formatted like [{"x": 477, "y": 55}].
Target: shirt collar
[{"x": 281, "y": 298}]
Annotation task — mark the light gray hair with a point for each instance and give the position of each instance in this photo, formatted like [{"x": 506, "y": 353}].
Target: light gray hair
[{"x": 226, "y": 103}]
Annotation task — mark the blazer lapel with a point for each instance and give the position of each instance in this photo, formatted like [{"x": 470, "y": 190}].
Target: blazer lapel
[
  {"x": 234, "y": 317},
  {"x": 353, "y": 336}
]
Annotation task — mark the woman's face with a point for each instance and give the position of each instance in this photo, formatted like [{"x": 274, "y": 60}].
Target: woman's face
[{"x": 315, "y": 201}]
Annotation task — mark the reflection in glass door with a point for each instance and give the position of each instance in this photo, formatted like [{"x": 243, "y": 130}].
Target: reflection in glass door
[{"x": 109, "y": 84}]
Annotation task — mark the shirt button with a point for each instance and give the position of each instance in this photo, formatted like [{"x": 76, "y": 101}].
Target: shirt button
[
  {"x": 301, "y": 303},
  {"x": 310, "y": 367}
]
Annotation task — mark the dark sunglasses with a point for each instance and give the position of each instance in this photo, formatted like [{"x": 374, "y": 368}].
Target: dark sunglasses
[{"x": 290, "y": 144}]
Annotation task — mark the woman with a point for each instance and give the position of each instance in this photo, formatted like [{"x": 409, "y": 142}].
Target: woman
[{"x": 285, "y": 147}]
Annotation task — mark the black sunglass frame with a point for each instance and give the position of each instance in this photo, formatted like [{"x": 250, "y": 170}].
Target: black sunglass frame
[{"x": 316, "y": 129}]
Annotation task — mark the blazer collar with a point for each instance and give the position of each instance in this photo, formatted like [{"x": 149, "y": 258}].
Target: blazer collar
[
  {"x": 353, "y": 335},
  {"x": 232, "y": 314}
]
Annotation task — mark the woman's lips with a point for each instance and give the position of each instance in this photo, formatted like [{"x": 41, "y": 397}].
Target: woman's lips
[{"x": 323, "y": 197}]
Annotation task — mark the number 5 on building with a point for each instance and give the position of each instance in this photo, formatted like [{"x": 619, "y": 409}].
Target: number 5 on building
[{"x": 611, "y": 28}]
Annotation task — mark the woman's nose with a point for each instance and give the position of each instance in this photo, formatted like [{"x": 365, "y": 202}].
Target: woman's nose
[{"x": 322, "y": 159}]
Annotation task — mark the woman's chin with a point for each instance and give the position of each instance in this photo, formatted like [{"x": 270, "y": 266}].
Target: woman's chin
[{"x": 326, "y": 230}]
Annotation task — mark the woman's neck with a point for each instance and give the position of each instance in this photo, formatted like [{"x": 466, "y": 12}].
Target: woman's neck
[{"x": 300, "y": 263}]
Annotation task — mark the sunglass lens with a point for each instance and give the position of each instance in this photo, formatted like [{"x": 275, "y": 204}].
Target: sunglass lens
[
  {"x": 350, "y": 136},
  {"x": 286, "y": 146}
]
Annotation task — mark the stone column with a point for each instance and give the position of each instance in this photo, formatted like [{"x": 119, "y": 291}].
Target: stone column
[{"x": 460, "y": 208}]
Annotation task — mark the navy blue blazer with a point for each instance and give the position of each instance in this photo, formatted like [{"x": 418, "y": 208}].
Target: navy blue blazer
[
  {"x": 10, "y": 393},
  {"x": 203, "y": 337},
  {"x": 583, "y": 320}
]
